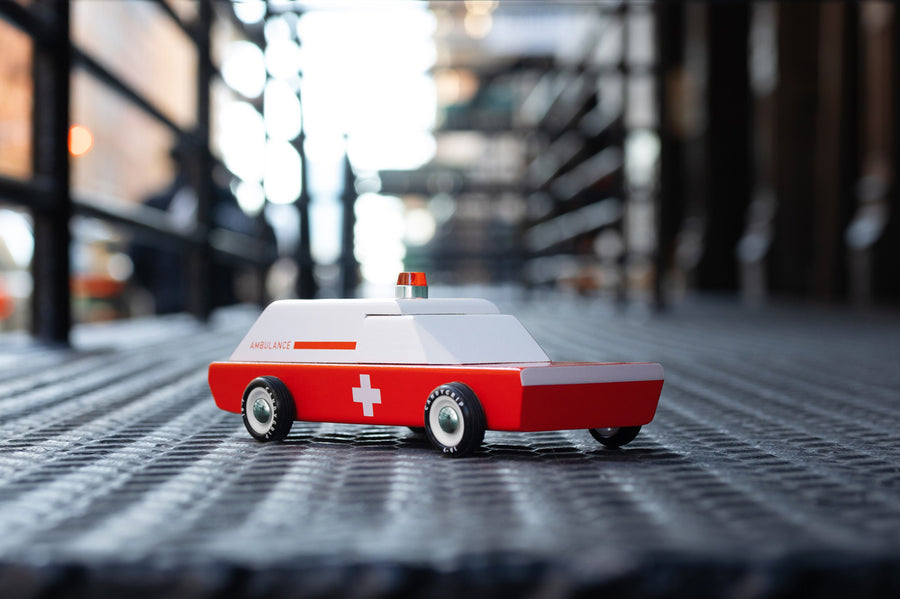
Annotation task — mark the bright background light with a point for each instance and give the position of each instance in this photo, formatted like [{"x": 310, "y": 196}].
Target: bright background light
[
  {"x": 379, "y": 232},
  {"x": 368, "y": 153},
  {"x": 250, "y": 196},
  {"x": 420, "y": 226},
  {"x": 242, "y": 137},
  {"x": 283, "y": 58},
  {"x": 283, "y": 169},
  {"x": 244, "y": 68},
  {"x": 283, "y": 115},
  {"x": 16, "y": 237},
  {"x": 366, "y": 92},
  {"x": 250, "y": 11},
  {"x": 325, "y": 216},
  {"x": 81, "y": 140},
  {"x": 365, "y": 76}
]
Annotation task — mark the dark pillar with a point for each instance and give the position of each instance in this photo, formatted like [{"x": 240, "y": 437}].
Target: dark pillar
[
  {"x": 886, "y": 258},
  {"x": 796, "y": 106},
  {"x": 306, "y": 280},
  {"x": 836, "y": 146},
  {"x": 51, "y": 298},
  {"x": 199, "y": 284},
  {"x": 728, "y": 157},
  {"x": 349, "y": 266},
  {"x": 669, "y": 85}
]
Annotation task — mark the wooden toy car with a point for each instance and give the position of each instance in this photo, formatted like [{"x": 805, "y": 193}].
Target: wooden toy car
[{"x": 455, "y": 367}]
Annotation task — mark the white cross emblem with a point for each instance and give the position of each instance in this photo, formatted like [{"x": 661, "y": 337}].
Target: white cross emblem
[{"x": 366, "y": 395}]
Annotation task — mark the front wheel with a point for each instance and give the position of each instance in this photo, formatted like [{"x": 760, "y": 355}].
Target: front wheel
[
  {"x": 615, "y": 437},
  {"x": 454, "y": 419},
  {"x": 268, "y": 409}
]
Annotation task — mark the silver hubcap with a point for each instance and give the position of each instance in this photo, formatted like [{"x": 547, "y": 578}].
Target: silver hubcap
[
  {"x": 261, "y": 410},
  {"x": 260, "y": 414},
  {"x": 448, "y": 420}
]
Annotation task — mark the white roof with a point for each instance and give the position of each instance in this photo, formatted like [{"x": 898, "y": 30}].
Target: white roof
[{"x": 389, "y": 331}]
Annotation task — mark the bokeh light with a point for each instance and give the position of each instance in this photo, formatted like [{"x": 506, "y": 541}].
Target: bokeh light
[
  {"x": 281, "y": 108},
  {"x": 641, "y": 156},
  {"x": 379, "y": 94},
  {"x": 478, "y": 25},
  {"x": 282, "y": 58},
  {"x": 249, "y": 11},
  {"x": 243, "y": 141},
  {"x": 16, "y": 237},
  {"x": 378, "y": 235},
  {"x": 405, "y": 150},
  {"x": 244, "y": 68},
  {"x": 250, "y": 196},
  {"x": 81, "y": 140},
  {"x": 420, "y": 226},
  {"x": 325, "y": 215},
  {"x": 481, "y": 7},
  {"x": 277, "y": 29},
  {"x": 282, "y": 180}
]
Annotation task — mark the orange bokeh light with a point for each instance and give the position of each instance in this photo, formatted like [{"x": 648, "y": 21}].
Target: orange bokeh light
[{"x": 80, "y": 140}]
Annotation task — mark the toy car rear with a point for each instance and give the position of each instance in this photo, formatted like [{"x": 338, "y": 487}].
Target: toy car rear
[{"x": 591, "y": 404}]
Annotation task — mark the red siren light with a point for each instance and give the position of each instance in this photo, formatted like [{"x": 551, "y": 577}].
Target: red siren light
[
  {"x": 412, "y": 285},
  {"x": 412, "y": 278}
]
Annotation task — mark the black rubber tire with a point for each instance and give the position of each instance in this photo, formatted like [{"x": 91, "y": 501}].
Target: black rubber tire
[
  {"x": 281, "y": 404},
  {"x": 469, "y": 412},
  {"x": 623, "y": 436}
]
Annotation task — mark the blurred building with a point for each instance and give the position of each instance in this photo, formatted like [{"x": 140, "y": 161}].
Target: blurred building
[{"x": 620, "y": 149}]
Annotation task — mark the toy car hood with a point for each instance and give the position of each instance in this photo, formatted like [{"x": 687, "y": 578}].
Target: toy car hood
[{"x": 388, "y": 331}]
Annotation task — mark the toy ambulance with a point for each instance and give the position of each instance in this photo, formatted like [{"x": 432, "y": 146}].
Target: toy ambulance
[{"x": 456, "y": 367}]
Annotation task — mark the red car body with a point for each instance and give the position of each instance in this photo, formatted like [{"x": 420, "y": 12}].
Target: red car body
[{"x": 324, "y": 392}]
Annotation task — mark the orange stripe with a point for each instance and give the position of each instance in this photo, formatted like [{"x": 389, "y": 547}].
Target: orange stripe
[{"x": 324, "y": 344}]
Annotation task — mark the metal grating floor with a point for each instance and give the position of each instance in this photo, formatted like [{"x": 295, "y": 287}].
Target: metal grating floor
[{"x": 771, "y": 469}]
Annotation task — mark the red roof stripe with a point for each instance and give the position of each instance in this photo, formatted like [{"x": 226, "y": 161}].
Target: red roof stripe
[{"x": 324, "y": 344}]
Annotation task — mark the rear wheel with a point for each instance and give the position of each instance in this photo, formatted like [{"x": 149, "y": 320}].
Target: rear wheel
[
  {"x": 268, "y": 409},
  {"x": 454, "y": 419},
  {"x": 615, "y": 437}
]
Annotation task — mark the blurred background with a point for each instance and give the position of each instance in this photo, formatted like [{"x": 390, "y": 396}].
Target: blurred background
[{"x": 176, "y": 155}]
